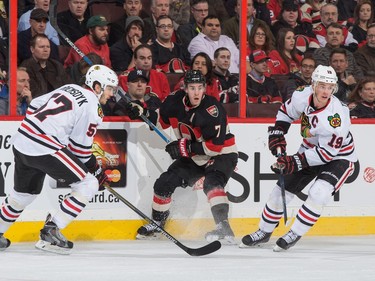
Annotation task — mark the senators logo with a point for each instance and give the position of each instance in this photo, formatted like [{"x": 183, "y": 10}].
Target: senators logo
[
  {"x": 213, "y": 111},
  {"x": 335, "y": 120}
]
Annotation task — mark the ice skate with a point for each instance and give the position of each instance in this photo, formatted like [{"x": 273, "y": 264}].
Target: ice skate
[
  {"x": 4, "y": 242},
  {"x": 287, "y": 241},
  {"x": 255, "y": 239},
  {"x": 149, "y": 231},
  {"x": 223, "y": 233},
  {"x": 51, "y": 239}
]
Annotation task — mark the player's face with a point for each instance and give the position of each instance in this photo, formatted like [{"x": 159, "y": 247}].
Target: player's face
[
  {"x": 323, "y": 92},
  {"x": 137, "y": 89},
  {"x": 368, "y": 92},
  {"x": 195, "y": 93},
  {"x": 108, "y": 93}
]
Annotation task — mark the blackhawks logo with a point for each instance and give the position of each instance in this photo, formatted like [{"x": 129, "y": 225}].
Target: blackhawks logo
[
  {"x": 100, "y": 111},
  {"x": 305, "y": 126},
  {"x": 335, "y": 120}
]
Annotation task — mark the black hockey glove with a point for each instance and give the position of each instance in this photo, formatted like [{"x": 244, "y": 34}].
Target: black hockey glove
[
  {"x": 135, "y": 109},
  {"x": 100, "y": 175},
  {"x": 276, "y": 141},
  {"x": 290, "y": 164},
  {"x": 179, "y": 148}
]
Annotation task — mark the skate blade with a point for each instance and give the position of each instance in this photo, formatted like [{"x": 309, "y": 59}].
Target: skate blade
[
  {"x": 48, "y": 247},
  {"x": 278, "y": 249},
  {"x": 227, "y": 240},
  {"x": 154, "y": 236},
  {"x": 5, "y": 246}
]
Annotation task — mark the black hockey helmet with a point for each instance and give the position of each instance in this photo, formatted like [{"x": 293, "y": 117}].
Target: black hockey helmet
[{"x": 194, "y": 76}]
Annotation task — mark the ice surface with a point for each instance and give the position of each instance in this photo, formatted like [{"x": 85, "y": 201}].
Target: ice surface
[{"x": 313, "y": 258}]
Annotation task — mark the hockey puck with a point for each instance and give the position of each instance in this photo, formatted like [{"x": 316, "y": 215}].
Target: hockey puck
[{"x": 369, "y": 174}]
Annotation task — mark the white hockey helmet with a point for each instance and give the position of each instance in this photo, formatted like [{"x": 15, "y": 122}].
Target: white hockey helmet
[
  {"x": 325, "y": 74},
  {"x": 101, "y": 74}
]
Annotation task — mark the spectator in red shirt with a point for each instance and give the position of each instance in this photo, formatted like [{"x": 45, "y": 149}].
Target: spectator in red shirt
[
  {"x": 94, "y": 42},
  {"x": 158, "y": 83}
]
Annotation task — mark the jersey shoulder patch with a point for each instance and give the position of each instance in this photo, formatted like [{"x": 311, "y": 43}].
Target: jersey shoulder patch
[{"x": 213, "y": 111}]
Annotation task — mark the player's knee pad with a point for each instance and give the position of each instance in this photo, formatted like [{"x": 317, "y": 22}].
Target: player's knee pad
[
  {"x": 275, "y": 199},
  {"x": 19, "y": 200},
  {"x": 213, "y": 180},
  {"x": 87, "y": 187},
  {"x": 320, "y": 192},
  {"x": 166, "y": 184}
]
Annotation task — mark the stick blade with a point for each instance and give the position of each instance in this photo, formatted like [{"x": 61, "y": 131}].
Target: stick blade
[{"x": 205, "y": 250}]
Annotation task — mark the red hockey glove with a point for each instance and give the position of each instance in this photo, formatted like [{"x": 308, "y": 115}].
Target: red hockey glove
[
  {"x": 101, "y": 176},
  {"x": 179, "y": 148},
  {"x": 135, "y": 110},
  {"x": 276, "y": 140},
  {"x": 290, "y": 164}
]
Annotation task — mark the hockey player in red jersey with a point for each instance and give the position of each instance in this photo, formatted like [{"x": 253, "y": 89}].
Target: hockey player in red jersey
[
  {"x": 205, "y": 148},
  {"x": 326, "y": 157},
  {"x": 55, "y": 139}
]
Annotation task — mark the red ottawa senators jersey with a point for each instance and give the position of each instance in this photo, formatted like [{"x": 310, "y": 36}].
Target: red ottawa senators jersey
[{"x": 206, "y": 124}]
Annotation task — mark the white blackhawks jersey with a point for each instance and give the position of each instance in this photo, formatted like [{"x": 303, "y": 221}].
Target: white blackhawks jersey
[
  {"x": 325, "y": 132},
  {"x": 66, "y": 117}
]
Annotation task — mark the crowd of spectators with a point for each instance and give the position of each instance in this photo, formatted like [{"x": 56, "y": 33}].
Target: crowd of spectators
[{"x": 286, "y": 39}]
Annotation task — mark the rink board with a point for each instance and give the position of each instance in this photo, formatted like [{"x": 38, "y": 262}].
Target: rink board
[{"x": 352, "y": 212}]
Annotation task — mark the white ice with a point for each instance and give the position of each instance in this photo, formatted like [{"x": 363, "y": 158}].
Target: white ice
[{"x": 313, "y": 258}]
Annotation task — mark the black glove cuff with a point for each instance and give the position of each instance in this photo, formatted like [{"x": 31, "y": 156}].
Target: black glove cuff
[
  {"x": 197, "y": 148},
  {"x": 91, "y": 164},
  {"x": 283, "y": 125}
]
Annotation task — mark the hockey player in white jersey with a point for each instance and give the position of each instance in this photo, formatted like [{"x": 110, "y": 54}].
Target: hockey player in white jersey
[
  {"x": 55, "y": 139},
  {"x": 326, "y": 157}
]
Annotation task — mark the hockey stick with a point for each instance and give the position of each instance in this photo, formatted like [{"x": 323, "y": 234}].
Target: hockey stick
[
  {"x": 166, "y": 138},
  {"x": 53, "y": 21},
  {"x": 205, "y": 250},
  {"x": 282, "y": 187}
]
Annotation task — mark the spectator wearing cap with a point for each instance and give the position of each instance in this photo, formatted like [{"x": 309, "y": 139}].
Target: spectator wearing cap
[
  {"x": 118, "y": 28},
  {"x": 260, "y": 88},
  {"x": 121, "y": 52},
  {"x": 158, "y": 83},
  {"x": 289, "y": 17},
  {"x": 168, "y": 56},
  {"x": 160, "y": 8},
  {"x": 24, "y": 21},
  {"x": 210, "y": 39},
  {"x": 94, "y": 42},
  {"x": 73, "y": 21},
  {"x": 137, "y": 87},
  {"x": 38, "y": 23}
]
